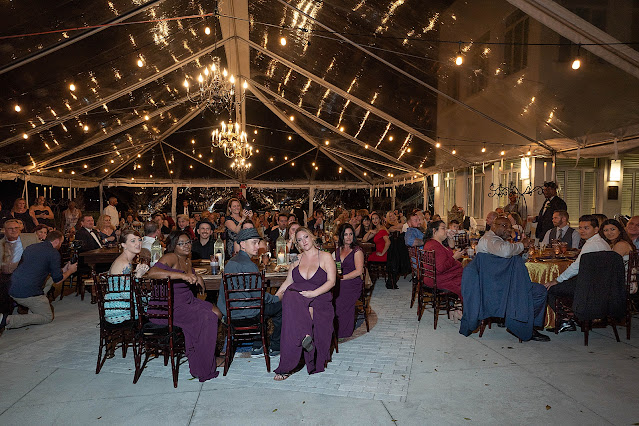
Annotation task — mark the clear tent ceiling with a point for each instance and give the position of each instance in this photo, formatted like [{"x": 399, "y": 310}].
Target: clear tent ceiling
[{"x": 371, "y": 85}]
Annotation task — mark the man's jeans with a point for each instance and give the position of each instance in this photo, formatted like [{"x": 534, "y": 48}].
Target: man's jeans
[{"x": 39, "y": 312}]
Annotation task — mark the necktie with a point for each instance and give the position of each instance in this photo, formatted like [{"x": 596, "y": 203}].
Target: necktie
[{"x": 559, "y": 232}]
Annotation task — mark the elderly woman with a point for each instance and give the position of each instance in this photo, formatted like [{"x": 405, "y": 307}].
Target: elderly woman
[
  {"x": 449, "y": 269},
  {"x": 197, "y": 318},
  {"x": 42, "y": 212},
  {"x": 131, "y": 243},
  {"x": 351, "y": 257},
  {"x": 307, "y": 308}
]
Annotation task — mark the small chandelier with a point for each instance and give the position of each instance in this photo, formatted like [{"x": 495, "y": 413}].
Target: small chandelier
[
  {"x": 214, "y": 88},
  {"x": 232, "y": 141},
  {"x": 240, "y": 165}
]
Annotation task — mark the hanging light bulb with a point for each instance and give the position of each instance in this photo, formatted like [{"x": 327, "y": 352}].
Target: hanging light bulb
[
  {"x": 576, "y": 64},
  {"x": 17, "y": 108},
  {"x": 459, "y": 59},
  {"x": 454, "y": 151},
  {"x": 72, "y": 87},
  {"x": 207, "y": 31},
  {"x": 483, "y": 148},
  {"x": 140, "y": 62},
  {"x": 283, "y": 41}
]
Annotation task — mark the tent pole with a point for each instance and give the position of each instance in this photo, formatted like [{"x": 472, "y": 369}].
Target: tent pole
[
  {"x": 174, "y": 202},
  {"x": 370, "y": 203},
  {"x": 425, "y": 204},
  {"x": 101, "y": 197},
  {"x": 393, "y": 192},
  {"x": 25, "y": 192}
]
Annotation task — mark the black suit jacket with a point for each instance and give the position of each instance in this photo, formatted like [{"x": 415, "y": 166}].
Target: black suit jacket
[
  {"x": 544, "y": 219},
  {"x": 88, "y": 242},
  {"x": 273, "y": 235}
]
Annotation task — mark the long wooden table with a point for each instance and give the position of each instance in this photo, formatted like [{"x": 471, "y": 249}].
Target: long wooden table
[
  {"x": 101, "y": 255},
  {"x": 213, "y": 282}
]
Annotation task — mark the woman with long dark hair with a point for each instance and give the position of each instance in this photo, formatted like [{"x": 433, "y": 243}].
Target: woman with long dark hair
[
  {"x": 351, "y": 257},
  {"x": 197, "y": 318},
  {"x": 619, "y": 240}
]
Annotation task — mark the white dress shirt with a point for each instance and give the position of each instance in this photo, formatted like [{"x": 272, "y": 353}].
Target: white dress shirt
[
  {"x": 404, "y": 227},
  {"x": 147, "y": 242},
  {"x": 575, "y": 236},
  {"x": 95, "y": 237},
  {"x": 592, "y": 244},
  {"x": 491, "y": 243},
  {"x": 113, "y": 212}
]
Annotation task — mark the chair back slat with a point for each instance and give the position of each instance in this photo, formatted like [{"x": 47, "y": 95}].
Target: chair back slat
[
  {"x": 113, "y": 291},
  {"x": 154, "y": 298},
  {"x": 427, "y": 267},
  {"x": 248, "y": 288},
  {"x": 414, "y": 261},
  {"x": 633, "y": 269}
]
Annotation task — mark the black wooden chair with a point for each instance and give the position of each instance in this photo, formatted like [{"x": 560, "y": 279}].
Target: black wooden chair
[
  {"x": 601, "y": 294},
  {"x": 631, "y": 281},
  {"x": 154, "y": 300},
  {"x": 245, "y": 291},
  {"x": 414, "y": 266},
  {"x": 362, "y": 307},
  {"x": 440, "y": 299},
  {"x": 115, "y": 296}
]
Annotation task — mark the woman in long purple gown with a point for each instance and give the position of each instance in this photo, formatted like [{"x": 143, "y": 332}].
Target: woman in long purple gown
[
  {"x": 197, "y": 318},
  {"x": 307, "y": 308},
  {"x": 351, "y": 257}
]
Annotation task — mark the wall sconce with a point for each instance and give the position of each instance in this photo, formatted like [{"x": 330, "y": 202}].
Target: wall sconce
[
  {"x": 436, "y": 180},
  {"x": 525, "y": 168},
  {"x": 615, "y": 171}
]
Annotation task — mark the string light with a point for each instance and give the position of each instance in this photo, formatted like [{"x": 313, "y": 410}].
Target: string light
[
  {"x": 25, "y": 136},
  {"x": 285, "y": 158},
  {"x": 502, "y": 153},
  {"x": 576, "y": 64},
  {"x": 72, "y": 87},
  {"x": 326, "y": 143},
  {"x": 106, "y": 170},
  {"x": 85, "y": 128},
  {"x": 17, "y": 108},
  {"x": 390, "y": 138},
  {"x": 255, "y": 131},
  {"x": 293, "y": 163},
  {"x": 146, "y": 118},
  {"x": 290, "y": 138},
  {"x": 454, "y": 151},
  {"x": 341, "y": 129},
  {"x": 283, "y": 41},
  {"x": 483, "y": 148},
  {"x": 459, "y": 59},
  {"x": 59, "y": 170},
  {"x": 86, "y": 166},
  {"x": 292, "y": 118},
  {"x": 207, "y": 31},
  {"x": 366, "y": 146},
  {"x": 271, "y": 159},
  {"x": 140, "y": 62},
  {"x": 365, "y": 174}
]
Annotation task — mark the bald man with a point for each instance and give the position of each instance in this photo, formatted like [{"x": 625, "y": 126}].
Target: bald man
[
  {"x": 496, "y": 241},
  {"x": 490, "y": 217},
  {"x": 632, "y": 228}
]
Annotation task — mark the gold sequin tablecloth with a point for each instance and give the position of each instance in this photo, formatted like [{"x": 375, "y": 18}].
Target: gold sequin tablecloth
[{"x": 542, "y": 272}]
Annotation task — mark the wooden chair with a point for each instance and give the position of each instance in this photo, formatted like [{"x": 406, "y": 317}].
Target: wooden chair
[
  {"x": 235, "y": 288},
  {"x": 363, "y": 306},
  {"x": 631, "y": 278},
  {"x": 154, "y": 300},
  {"x": 115, "y": 295},
  {"x": 440, "y": 298},
  {"x": 414, "y": 265},
  {"x": 600, "y": 302}
]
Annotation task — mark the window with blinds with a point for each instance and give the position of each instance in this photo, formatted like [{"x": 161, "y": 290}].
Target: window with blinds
[
  {"x": 475, "y": 206},
  {"x": 630, "y": 192},
  {"x": 508, "y": 180},
  {"x": 578, "y": 189}
]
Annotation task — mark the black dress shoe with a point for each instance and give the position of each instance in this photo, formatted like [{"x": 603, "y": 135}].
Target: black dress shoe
[
  {"x": 389, "y": 286},
  {"x": 538, "y": 337},
  {"x": 567, "y": 326}
]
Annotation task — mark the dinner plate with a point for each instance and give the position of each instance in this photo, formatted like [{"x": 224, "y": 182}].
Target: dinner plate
[{"x": 200, "y": 270}]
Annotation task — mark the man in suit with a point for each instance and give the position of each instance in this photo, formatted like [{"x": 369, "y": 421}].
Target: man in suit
[
  {"x": 186, "y": 209},
  {"x": 551, "y": 204},
  {"x": 11, "y": 248},
  {"x": 88, "y": 235},
  {"x": 280, "y": 229},
  {"x": 562, "y": 230}
]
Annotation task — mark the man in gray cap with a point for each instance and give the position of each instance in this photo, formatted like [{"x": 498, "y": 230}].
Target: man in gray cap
[{"x": 249, "y": 241}]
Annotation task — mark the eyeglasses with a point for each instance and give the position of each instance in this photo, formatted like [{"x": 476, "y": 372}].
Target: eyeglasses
[{"x": 184, "y": 243}]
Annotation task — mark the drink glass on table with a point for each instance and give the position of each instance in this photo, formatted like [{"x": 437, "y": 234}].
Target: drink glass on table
[
  {"x": 563, "y": 247},
  {"x": 215, "y": 265}
]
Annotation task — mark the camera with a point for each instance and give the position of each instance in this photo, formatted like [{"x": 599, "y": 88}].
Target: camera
[{"x": 74, "y": 247}]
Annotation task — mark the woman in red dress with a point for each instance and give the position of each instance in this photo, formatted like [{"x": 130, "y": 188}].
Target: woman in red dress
[
  {"x": 449, "y": 268},
  {"x": 379, "y": 236}
]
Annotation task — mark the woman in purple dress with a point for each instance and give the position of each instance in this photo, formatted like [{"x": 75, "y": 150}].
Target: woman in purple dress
[
  {"x": 307, "y": 308},
  {"x": 197, "y": 318},
  {"x": 350, "y": 284}
]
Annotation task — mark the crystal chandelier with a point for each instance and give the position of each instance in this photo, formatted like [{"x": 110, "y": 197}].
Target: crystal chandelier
[
  {"x": 232, "y": 141},
  {"x": 240, "y": 165},
  {"x": 214, "y": 88}
]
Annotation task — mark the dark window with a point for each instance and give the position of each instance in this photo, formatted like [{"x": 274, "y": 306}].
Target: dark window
[{"x": 516, "y": 43}]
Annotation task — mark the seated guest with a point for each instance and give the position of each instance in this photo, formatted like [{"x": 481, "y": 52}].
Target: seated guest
[
  {"x": 392, "y": 224},
  {"x": 21, "y": 212},
  {"x": 562, "y": 230},
  {"x": 131, "y": 243},
  {"x": 263, "y": 246},
  {"x": 379, "y": 236},
  {"x": 468, "y": 222},
  {"x": 90, "y": 240},
  {"x": 290, "y": 238},
  {"x": 106, "y": 230},
  {"x": 279, "y": 230},
  {"x": 495, "y": 242},
  {"x": 449, "y": 269},
  {"x": 203, "y": 246},
  {"x": 414, "y": 236},
  {"x": 632, "y": 229},
  {"x": 72, "y": 216},
  {"x": 41, "y": 231},
  {"x": 192, "y": 223},
  {"x": 364, "y": 227},
  {"x": 350, "y": 284},
  {"x": 197, "y": 217},
  {"x": 151, "y": 233},
  {"x": 614, "y": 234},
  {"x": 197, "y": 318},
  {"x": 291, "y": 218},
  {"x": 427, "y": 217},
  {"x": 235, "y": 216},
  {"x": 435, "y": 217},
  {"x": 42, "y": 212},
  {"x": 27, "y": 282},
  {"x": 317, "y": 223},
  {"x": 307, "y": 308},
  {"x": 159, "y": 220},
  {"x": 11, "y": 248},
  {"x": 500, "y": 212},
  {"x": 249, "y": 242},
  {"x": 183, "y": 225},
  {"x": 517, "y": 225},
  {"x": 566, "y": 283},
  {"x": 490, "y": 217},
  {"x": 601, "y": 218}
]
